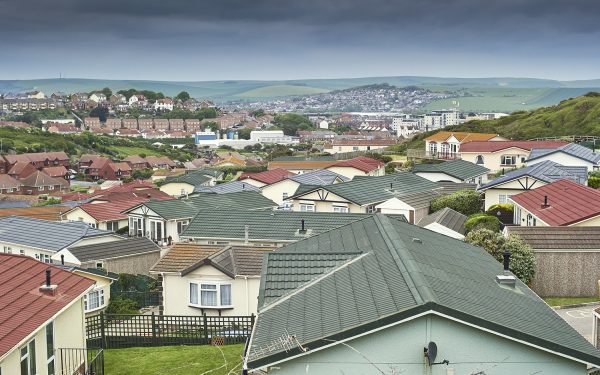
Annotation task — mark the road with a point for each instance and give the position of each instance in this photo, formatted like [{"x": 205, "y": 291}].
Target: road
[{"x": 580, "y": 318}]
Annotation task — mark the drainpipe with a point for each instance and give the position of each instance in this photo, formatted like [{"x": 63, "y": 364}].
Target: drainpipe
[{"x": 247, "y": 297}]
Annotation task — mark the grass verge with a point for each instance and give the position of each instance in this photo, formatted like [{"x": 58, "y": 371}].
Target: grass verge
[{"x": 172, "y": 360}]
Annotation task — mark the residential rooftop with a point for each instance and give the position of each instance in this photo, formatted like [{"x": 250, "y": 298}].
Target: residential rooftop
[
  {"x": 546, "y": 171},
  {"x": 446, "y": 217},
  {"x": 460, "y": 169},
  {"x": 558, "y": 238},
  {"x": 114, "y": 249}
]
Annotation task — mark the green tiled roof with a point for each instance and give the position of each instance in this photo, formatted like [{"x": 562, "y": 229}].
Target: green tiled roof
[
  {"x": 461, "y": 169},
  {"x": 364, "y": 190},
  {"x": 193, "y": 178},
  {"x": 395, "y": 271},
  {"x": 265, "y": 225},
  {"x": 188, "y": 208}
]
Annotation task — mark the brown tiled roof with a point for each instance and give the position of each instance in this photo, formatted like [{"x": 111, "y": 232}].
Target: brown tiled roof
[
  {"x": 23, "y": 307},
  {"x": 558, "y": 237},
  {"x": 237, "y": 260},
  {"x": 183, "y": 255},
  {"x": 461, "y": 136},
  {"x": 39, "y": 178},
  {"x": 52, "y": 213},
  {"x": 59, "y": 171},
  {"x": 7, "y": 182},
  {"x": 22, "y": 169},
  {"x": 268, "y": 177}
]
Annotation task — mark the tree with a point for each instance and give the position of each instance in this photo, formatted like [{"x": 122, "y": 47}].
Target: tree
[
  {"x": 107, "y": 92},
  {"x": 467, "y": 202},
  {"x": 522, "y": 260},
  {"x": 390, "y": 168},
  {"x": 183, "y": 96},
  {"x": 290, "y": 123},
  {"x": 257, "y": 113},
  {"x": 244, "y": 133},
  {"x": 100, "y": 112},
  {"x": 479, "y": 221},
  {"x": 212, "y": 126}
]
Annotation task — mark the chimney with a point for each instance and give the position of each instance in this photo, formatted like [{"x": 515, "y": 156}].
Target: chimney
[
  {"x": 302, "y": 228},
  {"x": 506, "y": 279},
  {"x": 545, "y": 205},
  {"x": 246, "y": 234},
  {"x": 48, "y": 288}
]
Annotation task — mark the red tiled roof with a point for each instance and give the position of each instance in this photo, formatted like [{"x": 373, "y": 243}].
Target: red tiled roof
[
  {"x": 361, "y": 163},
  {"x": 59, "y": 171},
  {"x": 99, "y": 162},
  {"x": 7, "y": 182},
  {"x": 23, "y": 308},
  {"x": 110, "y": 210},
  {"x": 268, "y": 177},
  {"x": 493, "y": 146},
  {"x": 568, "y": 202},
  {"x": 119, "y": 166}
]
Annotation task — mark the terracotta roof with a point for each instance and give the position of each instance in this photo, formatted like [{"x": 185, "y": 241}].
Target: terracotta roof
[
  {"x": 267, "y": 177},
  {"x": 7, "y": 182},
  {"x": 361, "y": 163},
  {"x": 99, "y": 162},
  {"x": 134, "y": 159},
  {"x": 51, "y": 213},
  {"x": 183, "y": 255},
  {"x": 461, "y": 136},
  {"x": 493, "y": 146},
  {"x": 119, "y": 166},
  {"x": 39, "y": 178},
  {"x": 300, "y": 164},
  {"x": 23, "y": 307},
  {"x": 111, "y": 210},
  {"x": 22, "y": 169},
  {"x": 158, "y": 160},
  {"x": 59, "y": 171},
  {"x": 87, "y": 158},
  {"x": 568, "y": 202}
]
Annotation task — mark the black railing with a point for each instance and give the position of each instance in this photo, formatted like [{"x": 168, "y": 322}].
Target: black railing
[
  {"x": 81, "y": 361},
  {"x": 111, "y": 331}
]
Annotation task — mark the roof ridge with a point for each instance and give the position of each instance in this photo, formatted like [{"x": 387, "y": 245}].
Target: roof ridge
[{"x": 404, "y": 260}]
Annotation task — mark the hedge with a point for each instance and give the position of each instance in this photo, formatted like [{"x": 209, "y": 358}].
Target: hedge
[
  {"x": 467, "y": 202},
  {"x": 482, "y": 221},
  {"x": 594, "y": 182}
]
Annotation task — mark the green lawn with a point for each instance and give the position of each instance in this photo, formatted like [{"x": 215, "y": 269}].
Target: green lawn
[
  {"x": 564, "y": 301},
  {"x": 173, "y": 360},
  {"x": 127, "y": 150}
]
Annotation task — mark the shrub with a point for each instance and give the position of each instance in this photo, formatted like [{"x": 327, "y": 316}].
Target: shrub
[
  {"x": 522, "y": 260},
  {"x": 505, "y": 207},
  {"x": 594, "y": 182},
  {"x": 482, "y": 221},
  {"x": 120, "y": 305},
  {"x": 467, "y": 202}
]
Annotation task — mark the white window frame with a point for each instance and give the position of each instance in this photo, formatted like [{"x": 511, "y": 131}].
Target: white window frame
[
  {"x": 304, "y": 207},
  {"x": 153, "y": 230},
  {"x": 8, "y": 249},
  {"x": 140, "y": 230},
  {"x": 477, "y": 160},
  {"x": 502, "y": 198},
  {"x": 31, "y": 359},
  {"x": 371, "y": 209},
  {"x": 218, "y": 285},
  {"x": 50, "y": 357},
  {"x": 183, "y": 224},
  {"x": 101, "y": 300},
  {"x": 340, "y": 209},
  {"x": 110, "y": 225},
  {"x": 503, "y": 159}
]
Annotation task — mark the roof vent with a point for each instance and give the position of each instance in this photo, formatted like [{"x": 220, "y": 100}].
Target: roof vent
[
  {"x": 545, "y": 205},
  {"x": 417, "y": 240},
  {"x": 302, "y": 228},
  {"x": 506, "y": 278},
  {"x": 48, "y": 288}
]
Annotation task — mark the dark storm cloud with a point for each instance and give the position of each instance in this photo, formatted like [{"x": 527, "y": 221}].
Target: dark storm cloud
[{"x": 300, "y": 28}]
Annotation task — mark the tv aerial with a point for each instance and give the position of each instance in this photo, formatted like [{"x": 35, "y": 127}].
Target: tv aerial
[{"x": 431, "y": 352}]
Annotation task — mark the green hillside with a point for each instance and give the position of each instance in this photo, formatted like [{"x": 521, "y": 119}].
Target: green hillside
[
  {"x": 281, "y": 90},
  {"x": 577, "y": 116}
]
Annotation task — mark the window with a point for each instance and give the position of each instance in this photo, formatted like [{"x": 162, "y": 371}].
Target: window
[
  {"x": 28, "y": 359},
  {"x": 210, "y": 295},
  {"x": 135, "y": 227},
  {"x": 93, "y": 225},
  {"x": 41, "y": 188},
  {"x": 22, "y": 252},
  {"x": 112, "y": 225},
  {"x": 50, "y": 187},
  {"x": 10, "y": 190},
  {"x": 218, "y": 242},
  {"x": 508, "y": 160},
  {"x": 479, "y": 159},
  {"x": 531, "y": 221},
  {"x": 371, "y": 209},
  {"x": 50, "y": 348},
  {"x": 156, "y": 230},
  {"x": 355, "y": 148},
  {"x": 307, "y": 207},
  {"x": 341, "y": 209},
  {"x": 8, "y": 249},
  {"x": 502, "y": 198},
  {"x": 284, "y": 196},
  {"x": 93, "y": 300},
  {"x": 99, "y": 265},
  {"x": 181, "y": 225}
]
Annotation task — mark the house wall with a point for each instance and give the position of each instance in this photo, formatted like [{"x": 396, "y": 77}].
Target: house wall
[
  {"x": 174, "y": 189},
  {"x": 176, "y": 293},
  {"x": 352, "y": 172},
  {"x": 102, "y": 283},
  {"x": 254, "y": 182},
  {"x": 275, "y": 191},
  {"x": 399, "y": 349},
  {"x": 351, "y": 148},
  {"x": 493, "y": 160},
  {"x": 521, "y": 213},
  {"x": 69, "y": 332},
  {"x": 135, "y": 264},
  {"x": 564, "y": 159},
  {"x": 492, "y": 195},
  {"x": 326, "y": 205},
  {"x": 566, "y": 273},
  {"x": 80, "y": 215},
  {"x": 435, "y": 177},
  {"x": 438, "y": 228}
]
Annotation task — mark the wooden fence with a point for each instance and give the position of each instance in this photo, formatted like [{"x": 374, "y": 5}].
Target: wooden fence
[{"x": 110, "y": 331}]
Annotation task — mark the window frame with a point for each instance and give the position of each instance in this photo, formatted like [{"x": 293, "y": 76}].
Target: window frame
[
  {"x": 303, "y": 207},
  {"x": 513, "y": 158},
  {"x": 50, "y": 354},
  {"x": 340, "y": 209},
  {"x": 218, "y": 291},
  {"x": 101, "y": 300}
]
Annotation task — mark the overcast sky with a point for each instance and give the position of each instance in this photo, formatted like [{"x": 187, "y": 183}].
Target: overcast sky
[{"x": 193, "y": 40}]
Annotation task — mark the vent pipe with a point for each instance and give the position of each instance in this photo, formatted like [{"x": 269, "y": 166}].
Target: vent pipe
[
  {"x": 48, "y": 278},
  {"x": 506, "y": 256},
  {"x": 62, "y": 259},
  {"x": 506, "y": 279},
  {"x": 545, "y": 205}
]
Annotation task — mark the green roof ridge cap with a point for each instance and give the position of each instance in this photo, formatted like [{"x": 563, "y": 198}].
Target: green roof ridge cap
[{"x": 404, "y": 260}]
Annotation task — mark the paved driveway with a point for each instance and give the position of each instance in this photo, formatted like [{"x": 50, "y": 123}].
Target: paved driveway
[{"x": 580, "y": 318}]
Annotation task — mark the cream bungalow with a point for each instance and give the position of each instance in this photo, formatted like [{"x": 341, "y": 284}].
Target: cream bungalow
[
  {"x": 561, "y": 203},
  {"x": 42, "y": 317},
  {"x": 359, "y": 166},
  {"x": 446, "y": 145},
  {"x": 184, "y": 185},
  {"x": 498, "y": 155},
  {"x": 353, "y": 145},
  {"x": 279, "y": 191},
  {"x": 211, "y": 280},
  {"x": 501, "y": 189},
  {"x": 570, "y": 154}
]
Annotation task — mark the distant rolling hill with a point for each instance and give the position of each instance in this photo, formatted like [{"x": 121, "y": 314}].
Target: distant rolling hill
[{"x": 484, "y": 94}]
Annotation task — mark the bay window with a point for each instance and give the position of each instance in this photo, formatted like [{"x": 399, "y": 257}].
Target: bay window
[{"x": 93, "y": 300}]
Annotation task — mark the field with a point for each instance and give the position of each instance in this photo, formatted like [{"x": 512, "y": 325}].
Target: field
[
  {"x": 173, "y": 360},
  {"x": 281, "y": 90}
]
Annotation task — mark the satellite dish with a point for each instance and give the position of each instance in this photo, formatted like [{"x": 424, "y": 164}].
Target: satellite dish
[{"x": 431, "y": 352}]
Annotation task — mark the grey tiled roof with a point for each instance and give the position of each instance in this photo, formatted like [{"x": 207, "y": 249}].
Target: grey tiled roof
[
  {"x": 447, "y": 217},
  {"x": 546, "y": 171},
  {"x": 240, "y": 260},
  {"x": 319, "y": 177},
  {"x": 461, "y": 169},
  {"x": 114, "y": 249},
  {"x": 558, "y": 237},
  {"x": 44, "y": 234},
  {"x": 402, "y": 271},
  {"x": 573, "y": 149},
  {"x": 194, "y": 178},
  {"x": 228, "y": 187}
]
